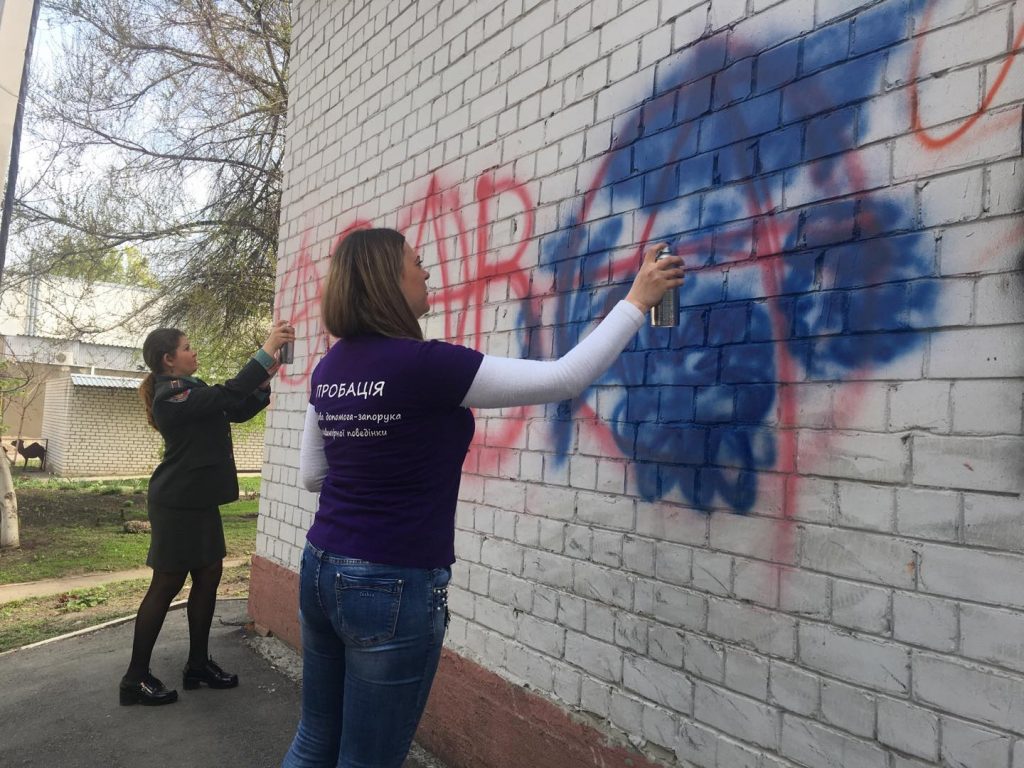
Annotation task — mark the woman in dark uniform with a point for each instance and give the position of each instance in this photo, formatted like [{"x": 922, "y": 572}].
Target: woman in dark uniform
[{"x": 197, "y": 474}]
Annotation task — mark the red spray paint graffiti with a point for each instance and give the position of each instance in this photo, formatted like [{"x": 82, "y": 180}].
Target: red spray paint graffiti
[
  {"x": 938, "y": 142},
  {"x": 467, "y": 268},
  {"x": 302, "y": 287}
]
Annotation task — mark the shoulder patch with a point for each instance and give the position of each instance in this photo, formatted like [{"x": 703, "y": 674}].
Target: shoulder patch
[{"x": 181, "y": 397}]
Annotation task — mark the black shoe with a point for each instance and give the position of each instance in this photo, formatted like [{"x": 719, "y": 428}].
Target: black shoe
[
  {"x": 209, "y": 673},
  {"x": 148, "y": 691}
]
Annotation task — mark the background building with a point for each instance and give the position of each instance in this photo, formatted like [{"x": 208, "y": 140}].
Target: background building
[
  {"x": 52, "y": 327},
  {"x": 787, "y": 533},
  {"x": 77, "y": 346}
]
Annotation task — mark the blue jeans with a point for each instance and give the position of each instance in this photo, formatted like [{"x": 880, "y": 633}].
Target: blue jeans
[{"x": 371, "y": 641}]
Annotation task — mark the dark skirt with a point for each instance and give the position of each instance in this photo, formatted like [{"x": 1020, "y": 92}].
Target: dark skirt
[{"x": 184, "y": 539}]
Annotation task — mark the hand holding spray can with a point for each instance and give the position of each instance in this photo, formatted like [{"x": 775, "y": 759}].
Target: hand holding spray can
[
  {"x": 287, "y": 353},
  {"x": 665, "y": 314}
]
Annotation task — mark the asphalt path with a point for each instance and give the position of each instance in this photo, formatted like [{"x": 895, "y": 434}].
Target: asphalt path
[{"x": 59, "y": 703}]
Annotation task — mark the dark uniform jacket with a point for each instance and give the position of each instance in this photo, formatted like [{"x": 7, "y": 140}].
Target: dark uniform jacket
[{"x": 198, "y": 468}]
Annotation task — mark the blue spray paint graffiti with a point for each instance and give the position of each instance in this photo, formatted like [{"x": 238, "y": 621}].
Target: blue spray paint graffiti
[{"x": 804, "y": 266}]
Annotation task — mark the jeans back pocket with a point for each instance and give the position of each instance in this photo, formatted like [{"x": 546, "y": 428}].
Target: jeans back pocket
[{"x": 368, "y": 608}]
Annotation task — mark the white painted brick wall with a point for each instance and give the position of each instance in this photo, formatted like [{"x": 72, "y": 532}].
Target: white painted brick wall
[{"x": 790, "y": 532}]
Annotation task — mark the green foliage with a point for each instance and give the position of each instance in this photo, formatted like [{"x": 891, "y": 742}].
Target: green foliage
[
  {"x": 72, "y": 602},
  {"x": 159, "y": 124},
  {"x": 125, "y": 265}
]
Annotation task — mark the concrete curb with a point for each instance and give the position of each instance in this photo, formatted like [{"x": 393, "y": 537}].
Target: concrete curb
[{"x": 94, "y": 628}]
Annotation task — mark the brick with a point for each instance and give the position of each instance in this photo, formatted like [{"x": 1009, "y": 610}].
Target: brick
[
  {"x": 928, "y": 514},
  {"x": 848, "y": 708},
  {"x": 981, "y": 407},
  {"x": 990, "y": 577},
  {"x": 909, "y": 162},
  {"x": 971, "y": 40},
  {"x": 671, "y": 605},
  {"x": 659, "y": 726},
  {"x": 604, "y": 584},
  {"x": 625, "y": 712},
  {"x": 951, "y": 199},
  {"x": 804, "y": 593},
  {"x": 793, "y": 689},
  {"x": 992, "y": 635},
  {"x": 926, "y": 621},
  {"x": 696, "y": 743},
  {"x": 660, "y": 684},
  {"x": 736, "y": 715},
  {"x": 703, "y": 658},
  {"x": 920, "y": 405},
  {"x": 994, "y": 521},
  {"x": 874, "y": 558},
  {"x": 534, "y": 670},
  {"x": 861, "y": 607},
  {"x": 673, "y": 563},
  {"x": 973, "y": 747},
  {"x": 494, "y": 616},
  {"x": 550, "y": 569},
  {"x": 809, "y": 743},
  {"x": 747, "y": 535},
  {"x": 746, "y": 673},
  {"x": 856, "y": 456},
  {"x": 908, "y": 728},
  {"x": 666, "y": 645},
  {"x": 762, "y": 630},
  {"x": 671, "y": 523},
  {"x": 983, "y": 464},
  {"x": 999, "y": 299},
  {"x": 600, "y": 659},
  {"x": 757, "y": 582},
  {"x": 1003, "y": 193},
  {"x": 600, "y": 621},
  {"x": 969, "y": 690},
  {"x": 595, "y": 697},
  {"x": 961, "y": 246},
  {"x": 866, "y": 506},
  {"x": 607, "y": 511},
  {"x": 858, "y": 659}
]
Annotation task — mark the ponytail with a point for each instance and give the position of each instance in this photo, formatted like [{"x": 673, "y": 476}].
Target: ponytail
[
  {"x": 146, "y": 390},
  {"x": 162, "y": 341}
]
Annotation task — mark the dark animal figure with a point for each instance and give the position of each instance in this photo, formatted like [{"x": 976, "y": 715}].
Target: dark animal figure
[{"x": 31, "y": 451}]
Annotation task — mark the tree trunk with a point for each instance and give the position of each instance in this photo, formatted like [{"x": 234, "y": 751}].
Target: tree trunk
[{"x": 9, "y": 538}]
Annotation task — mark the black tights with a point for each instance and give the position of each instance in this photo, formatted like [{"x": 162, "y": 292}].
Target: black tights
[{"x": 202, "y": 600}]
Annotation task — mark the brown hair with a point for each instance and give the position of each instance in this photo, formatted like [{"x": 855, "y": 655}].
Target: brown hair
[
  {"x": 363, "y": 292},
  {"x": 162, "y": 341}
]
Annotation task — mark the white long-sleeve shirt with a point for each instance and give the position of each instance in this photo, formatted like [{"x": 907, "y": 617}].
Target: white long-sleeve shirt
[{"x": 503, "y": 382}]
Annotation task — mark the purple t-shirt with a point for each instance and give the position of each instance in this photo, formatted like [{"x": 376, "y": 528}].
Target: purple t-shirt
[{"x": 395, "y": 438}]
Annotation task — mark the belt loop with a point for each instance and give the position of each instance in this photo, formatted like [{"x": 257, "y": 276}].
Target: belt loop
[{"x": 317, "y": 552}]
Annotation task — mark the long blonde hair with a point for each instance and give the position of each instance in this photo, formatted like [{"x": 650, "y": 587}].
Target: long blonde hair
[
  {"x": 363, "y": 292},
  {"x": 160, "y": 342}
]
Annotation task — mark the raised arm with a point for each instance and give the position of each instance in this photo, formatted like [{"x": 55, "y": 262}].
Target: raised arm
[{"x": 503, "y": 382}]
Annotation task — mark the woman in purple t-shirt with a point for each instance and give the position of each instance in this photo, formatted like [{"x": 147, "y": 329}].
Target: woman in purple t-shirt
[{"x": 386, "y": 433}]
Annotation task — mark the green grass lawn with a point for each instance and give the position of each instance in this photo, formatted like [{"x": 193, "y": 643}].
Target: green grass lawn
[
  {"x": 38, "y": 618},
  {"x": 73, "y": 527},
  {"x": 70, "y": 528}
]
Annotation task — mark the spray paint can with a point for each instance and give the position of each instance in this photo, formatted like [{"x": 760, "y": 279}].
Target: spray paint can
[
  {"x": 665, "y": 314},
  {"x": 287, "y": 353}
]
